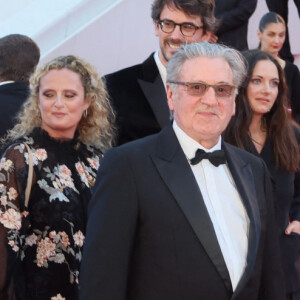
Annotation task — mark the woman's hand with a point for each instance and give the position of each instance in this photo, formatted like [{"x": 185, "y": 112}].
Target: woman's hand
[{"x": 293, "y": 227}]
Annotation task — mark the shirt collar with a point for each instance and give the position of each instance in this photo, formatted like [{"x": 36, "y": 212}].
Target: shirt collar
[
  {"x": 161, "y": 68},
  {"x": 189, "y": 145},
  {"x": 6, "y": 82}
]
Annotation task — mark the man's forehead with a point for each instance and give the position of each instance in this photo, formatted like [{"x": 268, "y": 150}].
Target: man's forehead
[
  {"x": 213, "y": 69},
  {"x": 173, "y": 13}
]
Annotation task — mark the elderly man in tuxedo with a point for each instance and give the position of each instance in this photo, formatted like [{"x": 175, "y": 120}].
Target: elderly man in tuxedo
[
  {"x": 181, "y": 214},
  {"x": 138, "y": 93}
]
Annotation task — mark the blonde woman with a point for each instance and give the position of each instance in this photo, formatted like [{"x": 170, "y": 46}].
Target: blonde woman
[{"x": 67, "y": 123}]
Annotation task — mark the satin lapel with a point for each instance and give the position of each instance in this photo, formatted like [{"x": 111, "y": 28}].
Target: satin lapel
[
  {"x": 154, "y": 91},
  {"x": 243, "y": 177},
  {"x": 156, "y": 96},
  {"x": 174, "y": 169}
]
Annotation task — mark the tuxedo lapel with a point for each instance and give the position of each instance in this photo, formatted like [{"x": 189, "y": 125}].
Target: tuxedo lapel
[
  {"x": 154, "y": 91},
  {"x": 243, "y": 177},
  {"x": 174, "y": 169}
]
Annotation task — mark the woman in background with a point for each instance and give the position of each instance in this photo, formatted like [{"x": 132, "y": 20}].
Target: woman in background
[
  {"x": 67, "y": 123},
  {"x": 263, "y": 127},
  {"x": 272, "y": 33}
]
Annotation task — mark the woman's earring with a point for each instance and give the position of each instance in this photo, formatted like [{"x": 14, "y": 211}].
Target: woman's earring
[{"x": 85, "y": 113}]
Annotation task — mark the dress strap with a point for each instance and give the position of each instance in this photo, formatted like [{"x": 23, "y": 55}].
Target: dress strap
[{"x": 30, "y": 175}]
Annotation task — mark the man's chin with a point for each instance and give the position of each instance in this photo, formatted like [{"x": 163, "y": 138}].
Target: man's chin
[{"x": 170, "y": 54}]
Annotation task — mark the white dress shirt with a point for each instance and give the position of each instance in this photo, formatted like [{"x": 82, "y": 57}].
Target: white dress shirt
[
  {"x": 224, "y": 206},
  {"x": 161, "y": 68},
  {"x": 6, "y": 82}
]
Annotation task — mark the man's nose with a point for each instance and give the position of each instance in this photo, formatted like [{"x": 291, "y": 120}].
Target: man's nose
[
  {"x": 176, "y": 34},
  {"x": 209, "y": 97}
]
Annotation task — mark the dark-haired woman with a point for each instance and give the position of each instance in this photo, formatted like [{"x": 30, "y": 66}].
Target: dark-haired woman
[
  {"x": 262, "y": 126},
  {"x": 272, "y": 33}
]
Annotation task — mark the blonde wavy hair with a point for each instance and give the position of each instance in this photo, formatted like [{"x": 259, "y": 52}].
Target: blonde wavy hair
[{"x": 96, "y": 129}]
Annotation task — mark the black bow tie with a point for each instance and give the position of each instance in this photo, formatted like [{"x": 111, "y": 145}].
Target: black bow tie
[{"x": 216, "y": 157}]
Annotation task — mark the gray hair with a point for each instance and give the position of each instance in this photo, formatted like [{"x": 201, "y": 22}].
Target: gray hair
[{"x": 233, "y": 57}]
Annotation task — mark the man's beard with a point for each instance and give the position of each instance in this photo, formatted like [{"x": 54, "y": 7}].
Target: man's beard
[{"x": 167, "y": 43}]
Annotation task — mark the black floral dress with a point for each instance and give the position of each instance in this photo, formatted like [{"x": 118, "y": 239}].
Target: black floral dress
[{"x": 41, "y": 247}]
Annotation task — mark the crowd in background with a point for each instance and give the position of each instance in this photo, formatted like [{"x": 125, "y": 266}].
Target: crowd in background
[{"x": 58, "y": 121}]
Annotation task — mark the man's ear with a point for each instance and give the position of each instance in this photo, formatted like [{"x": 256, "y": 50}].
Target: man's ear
[
  {"x": 156, "y": 27},
  {"x": 234, "y": 106},
  {"x": 170, "y": 95},
  {"x": 210, "y": 37}
]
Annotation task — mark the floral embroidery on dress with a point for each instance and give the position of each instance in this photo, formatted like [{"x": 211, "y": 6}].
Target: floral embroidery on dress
[
  {"x": 78, "y": 238},
  {"x": 53, "y": 246},
  {"x": 94, "y": 162},
  {"x": 45, "y": 251},
  {"x": 11, "y": 219},
  {"x": 86, "y": 173},
  {"x": 10, "y": 216},
  {"x": 31, "y": 240},
  {"x": 6, "y": 165},
  {"x": 61, "y": 179},
  {"x": 50, "y": 239},
  {"x": 37, "y": 155},
  {"x": 58, "y": 297}
]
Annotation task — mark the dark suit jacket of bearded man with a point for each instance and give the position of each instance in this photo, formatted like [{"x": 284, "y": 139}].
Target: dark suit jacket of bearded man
[
  {"x": 12, "y": 97},
  {"x": 139, "y": 99},
  {"x": 149, "y": 235}
]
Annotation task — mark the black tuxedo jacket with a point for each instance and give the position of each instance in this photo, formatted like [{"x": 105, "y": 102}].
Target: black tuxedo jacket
[
  {"x": 234, "y": 15},
  {"x": 12, "y": 97},
  {"x": 139, "y": 100},
  {"x": 149, "y": 235}
]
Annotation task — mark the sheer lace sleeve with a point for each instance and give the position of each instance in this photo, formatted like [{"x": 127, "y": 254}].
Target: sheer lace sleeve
[{"x": 13, "y": 216}]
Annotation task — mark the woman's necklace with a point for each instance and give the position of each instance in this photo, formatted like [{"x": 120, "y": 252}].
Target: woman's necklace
[
  {"x": 259, "y": 141},
  {"x": 258, "y": 133},
  {"x": 256, "y": 142}
]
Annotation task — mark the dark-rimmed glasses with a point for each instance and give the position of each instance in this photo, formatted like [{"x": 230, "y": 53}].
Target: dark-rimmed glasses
[
  {"x": 187, "y": 29},
  {"x": 200, "y": 88}
]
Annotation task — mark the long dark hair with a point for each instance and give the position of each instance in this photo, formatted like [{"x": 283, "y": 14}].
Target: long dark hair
[{"x": 277, "y": 121}]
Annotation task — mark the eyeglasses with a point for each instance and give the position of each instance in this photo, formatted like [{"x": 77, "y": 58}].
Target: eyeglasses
[
  {"x": 187, "y": 29},
  {"x": 200, "y": 88}
]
